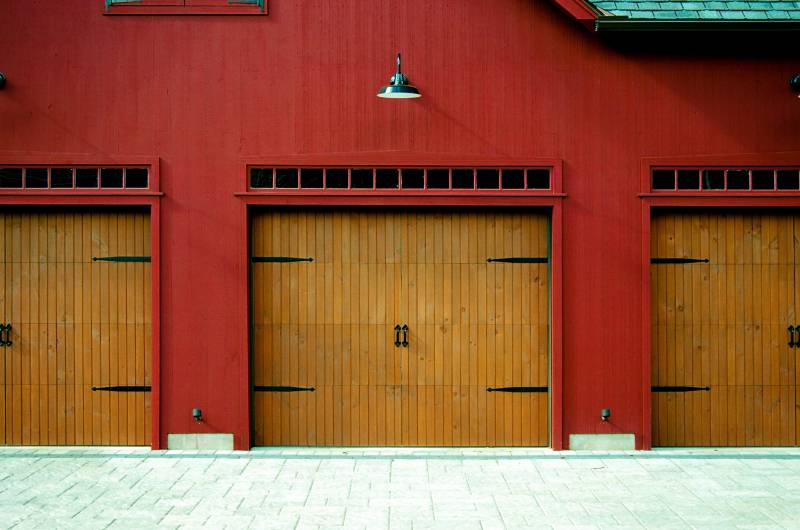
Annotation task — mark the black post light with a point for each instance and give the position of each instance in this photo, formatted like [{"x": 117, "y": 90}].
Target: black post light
[
  {"x": 794, "y": 82},
  {"x": 398, "y": 87}
]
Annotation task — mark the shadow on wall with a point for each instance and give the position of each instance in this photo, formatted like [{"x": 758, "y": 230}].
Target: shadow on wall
[{"x": 713, "y": 92}]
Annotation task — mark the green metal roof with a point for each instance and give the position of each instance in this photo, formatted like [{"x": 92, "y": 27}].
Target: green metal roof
[{"x": 700, "y": 11}]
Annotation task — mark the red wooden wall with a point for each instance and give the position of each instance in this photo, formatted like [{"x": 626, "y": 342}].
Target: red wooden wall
[{"x": 501, "y": 79}]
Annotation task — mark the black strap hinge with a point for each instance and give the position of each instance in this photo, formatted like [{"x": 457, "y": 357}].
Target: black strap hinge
[
  {"x": 544, "y": 259},
  {"x": 661, "y": 261},
  {"x": 124, "y": 259},
  {"x": 124, "y": 388},
  {"x": 261, "y": 388},
  {"x": 519, "y": 389},
  {"x": 680, "y": 388},
  {"x": 278, "y": 259}
]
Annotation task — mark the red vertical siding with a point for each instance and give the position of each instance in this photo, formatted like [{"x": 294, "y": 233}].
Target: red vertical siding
[{"x": 500, "y": 79}]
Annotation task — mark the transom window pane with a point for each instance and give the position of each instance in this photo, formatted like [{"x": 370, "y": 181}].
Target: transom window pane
[
  {"x": 361, "y": 178},
  {"x": 336, "y": 178}
]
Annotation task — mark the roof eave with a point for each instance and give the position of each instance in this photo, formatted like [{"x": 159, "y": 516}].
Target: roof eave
[
  {"x": 615, "y": 24},
  {"x": 582, "y": 11}
]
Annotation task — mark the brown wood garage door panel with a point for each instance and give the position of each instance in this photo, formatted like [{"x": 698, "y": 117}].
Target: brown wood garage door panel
[
  {"x": 329, "y": 324},
  {"x": 723, "y": 324},
  {"x": 76, "y": 324}
]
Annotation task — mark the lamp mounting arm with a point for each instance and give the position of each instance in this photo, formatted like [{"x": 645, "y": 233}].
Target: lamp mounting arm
[{"x": 398, "y": 78}]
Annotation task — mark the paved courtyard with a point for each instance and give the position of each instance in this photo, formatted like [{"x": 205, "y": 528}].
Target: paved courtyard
[{"x": 398, "y": 488}]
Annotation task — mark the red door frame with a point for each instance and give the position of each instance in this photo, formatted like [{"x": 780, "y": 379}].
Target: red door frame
[
  {"x": 545, "y": 199},
  {"x": 696, "y": 200},
  {"x": 149, "y": 198}
]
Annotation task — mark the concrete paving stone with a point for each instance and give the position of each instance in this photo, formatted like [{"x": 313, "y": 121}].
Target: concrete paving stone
[
  {"x": 402, "y": 503},
  {"x": 790, "y": 509},
  {"x": 126, "y": 523},
  {"x": 597, "y": 508},
  {"x": 489, "y": 523},
  {"x": 661, "y": 520},
  {"x": 319, "y": 520},
  {"x": 46, "y": 521},
  {"x": 410, "y": 512},
  {"x": 274, "y": 523},
  {"x": 186, "y": 503},
  {"x": 398, "y": 520},
  {"x": 361, "y": 502},
  {"x": 144, "y": 516},
  {"x": 232, "y": 521},
  {"x": 457, "y": 510},
  {"x": 211, "y": 506},
  {"x": 396, "y": 524},
  {"x": 323, "y": 500},
  {"x": 619, "y": 526},
  {"x": 585, "y": 520},
  {"x": 367, "y": 518},
  {"x": 446, "y": 525},
  {"x": 764, "y": 526},
  {"x": 567, "y": 510}
]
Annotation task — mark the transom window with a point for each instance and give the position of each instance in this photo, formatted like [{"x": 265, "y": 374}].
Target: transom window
[
  {"x": 725, "y": 179},
  {"x": 220, "y": 7},
  {"x": 67, "y": 178},
  {"x": 407, "y": 178}
]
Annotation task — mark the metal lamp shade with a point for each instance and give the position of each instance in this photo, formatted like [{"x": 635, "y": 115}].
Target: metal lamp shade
[
  {"x": 399, "y": 92},
  {"x": 398, "y": 87}
]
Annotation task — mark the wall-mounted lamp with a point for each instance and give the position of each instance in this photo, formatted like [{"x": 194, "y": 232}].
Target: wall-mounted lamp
[
  {"x": 197, "y": 414},
  {"x": 794, "y": 82},
  {"x": 2, "y": 80},
  {"x": 398, "y": 87},
  {"x": 605, "y": 414}
]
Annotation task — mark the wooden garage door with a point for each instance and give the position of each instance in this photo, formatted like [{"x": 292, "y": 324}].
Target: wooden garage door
[
  {"x": 723, "y": 371},
  {"x": 329, "y": 324},
  {"x": 76, "y": 324}
]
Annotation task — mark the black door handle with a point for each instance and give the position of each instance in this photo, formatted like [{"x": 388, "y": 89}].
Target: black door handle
[
  {"x": 5, "y": 341},
  {"x": 397, "y": 336},
  {"x": 792, "y": 342},
  {"x": 405, "y": 335}
]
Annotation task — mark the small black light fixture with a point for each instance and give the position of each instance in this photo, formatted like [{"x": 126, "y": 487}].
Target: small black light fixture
[
  {"x": 2, "y": 80},
  {"x": 398, "y": 87},
  {"x": 794, "y": 83},
  {"x": 605, "y": 414},
  {"x": 197, "y": 414}
]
